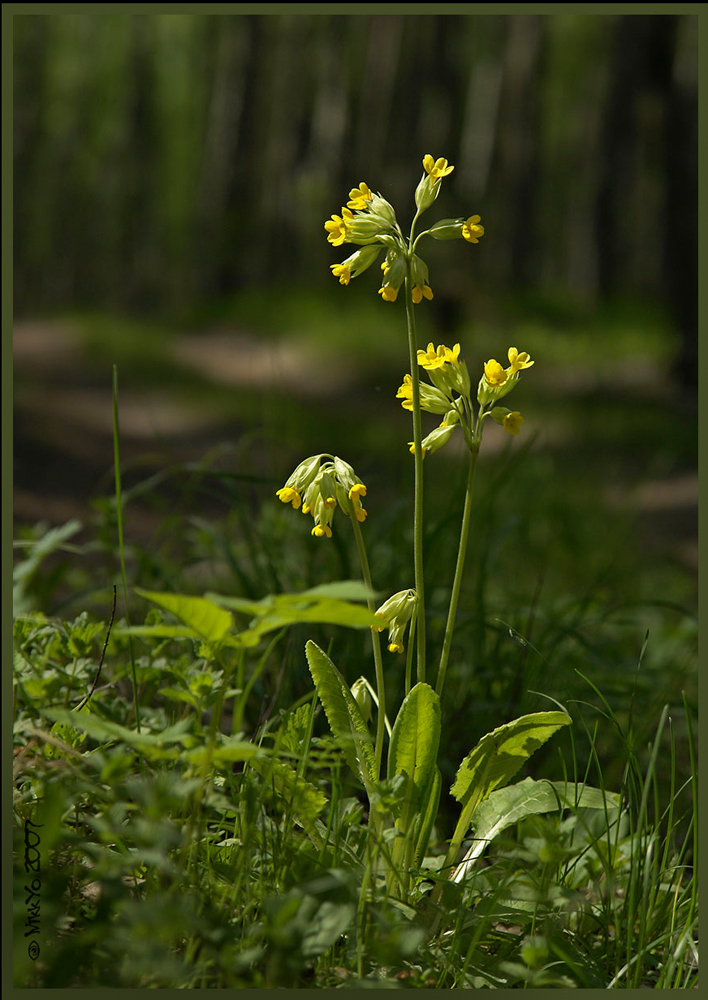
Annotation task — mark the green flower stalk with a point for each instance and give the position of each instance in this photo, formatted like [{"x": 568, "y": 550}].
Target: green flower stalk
[
  {"x": 370, "y": 221},
  {"x": 450, "y": 394},
  {"x": 319, "y": 485}
]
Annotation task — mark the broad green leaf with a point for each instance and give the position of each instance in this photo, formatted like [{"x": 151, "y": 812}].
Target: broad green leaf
[
  {"x": 344, "y": 715},
  {"x": 499, "y": 755},
  {"x": 495, "y": 760},
  {"x": 157, "y": 631},
  {"x": 154, "y": 745},
  {"x": 414, "y": 748},
  {"x": 207, "y": 619},
  {"x": 228, "y": 752},
  {"x": 507, "y": 805},
  {"x": 322, "y": 605},
  {"x": 343, "y": 590},
  {"x": 325, "y": 927}
]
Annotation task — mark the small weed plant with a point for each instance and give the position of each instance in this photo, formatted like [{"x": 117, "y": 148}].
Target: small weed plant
[{"x": 166, "y": 839}]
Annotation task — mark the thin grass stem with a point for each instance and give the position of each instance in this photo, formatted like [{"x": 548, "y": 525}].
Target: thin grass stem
[{"x": 459, "y": 569}]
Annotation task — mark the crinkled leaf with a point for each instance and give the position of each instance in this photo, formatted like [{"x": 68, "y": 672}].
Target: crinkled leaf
[
  {"x": 303, "y": 799},
  {"x": 508, "y": 805},
  {"x": 343, "y": 714}
]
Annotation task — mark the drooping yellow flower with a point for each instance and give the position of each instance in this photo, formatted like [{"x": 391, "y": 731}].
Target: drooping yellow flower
[
  {"x": 342, "y": 272},
  {"x": 436, "y": 168},
  {"x": 321, "y": 531},
  {"x": 359, "y": 197},
  {"x": 289, "y": 495},
  {"x": 388, "y": 293},
  {"x": 396, "y": 612},
  {"x": 418, "y": 293},
  {"x": 494, "y": 373},
  {"x": 518, "y": 361},
  {"x": 337, "y": 227},
  {"x": 512, "y": 422},
  {"x": 471, "y": 230},
  {"x": 357, "y": 491}
]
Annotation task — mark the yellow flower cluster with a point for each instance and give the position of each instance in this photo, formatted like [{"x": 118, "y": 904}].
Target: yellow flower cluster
[
  {"x": 449, "y": 394},
  {"x": 319, "y": 485},
  {"x": 369, "y": 220}
]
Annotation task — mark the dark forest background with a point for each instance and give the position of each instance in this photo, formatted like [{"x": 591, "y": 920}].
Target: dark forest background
[{"x": 163, "y": 161}]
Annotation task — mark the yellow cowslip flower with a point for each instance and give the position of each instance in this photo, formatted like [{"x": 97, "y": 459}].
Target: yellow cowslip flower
[
  {"x": 494, "y": 373},
  {"x": 436, "y": 168},
  {"x": 360, "y": 197},
  {"x": 396, "y": 647},
  {"x": 342, "y": 272},
  {"x": 337, "y": 227},
  {"x": 432, "y": 358},
  {"x": 388, "y": 293},
  {"x": 288, "y": 495},
  {"x": 432, "y": 400},
  {"x": 471, "y": 230},
  {"x": 512, "y": 422},
  {"x": 518, "y": 361},
  {"x": 418, "y": 293},
  {"x": 321, "y": 531}
]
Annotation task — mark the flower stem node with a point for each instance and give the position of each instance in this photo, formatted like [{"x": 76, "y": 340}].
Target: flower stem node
[{"x": 395, "y": 613}]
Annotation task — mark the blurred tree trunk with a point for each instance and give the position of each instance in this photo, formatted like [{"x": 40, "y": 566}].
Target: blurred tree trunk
[
  {"x": 681, "y": 219},
  {"x": 646, "y": 96},
  {"x": 515, "y": 169}
]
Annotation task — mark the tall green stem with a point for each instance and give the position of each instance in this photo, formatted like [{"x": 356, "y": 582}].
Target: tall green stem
[
  {"x": 418, "y": 456},
  {"x": 121, "y": 543},
  {"x": 376, "y": 645},
  {"x": 457, "y": 582}
]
